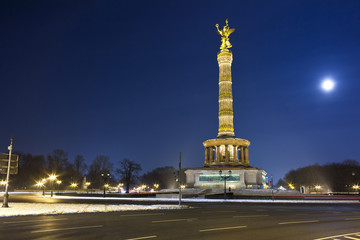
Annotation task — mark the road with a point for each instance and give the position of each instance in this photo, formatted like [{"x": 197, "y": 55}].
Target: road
[{"x": 201, "y": 221}]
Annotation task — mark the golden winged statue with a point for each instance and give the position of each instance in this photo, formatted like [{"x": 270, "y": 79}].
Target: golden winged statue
[{"x": 224, "y": 33}]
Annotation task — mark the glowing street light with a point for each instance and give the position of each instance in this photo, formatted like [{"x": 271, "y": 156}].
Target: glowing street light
[
  {"x": 156, "y": 186},
  {"x": 3, "y": 182},
  {"x": 41, "y": 184},
  {"x": 356, "y": 187},
  {"x": 317, "y": 187},
  {"x": 73, "y": 185},
  {"x": 183, "y": 186},
  {"x": 52, "y": 178},
  {"x": 291, "y": 186}
]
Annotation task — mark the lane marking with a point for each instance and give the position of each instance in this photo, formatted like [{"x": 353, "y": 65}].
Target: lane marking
[
  {"x": 147, "y": 237},
  {"x": 175, "y": 220},
  {"x": 43, "y": 220},
  {"x": 218, "y": 229},
  {"x": 342, "y": 235},
  {"x": 135, "y": 215},
  {"x": 351, "y": 219},
  {"x": 245, "y": 216},
  {"x": 63, "y": 229},
  {"x": 311, "y": 221},
  {"x": 348, "y": 237}
]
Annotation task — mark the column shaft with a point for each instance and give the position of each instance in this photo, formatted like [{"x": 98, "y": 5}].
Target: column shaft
[
  {"x": 241, "y": 155},
  {"x": 217, "y": 154},
  {"x": 235, "y": 153},
  {"x": 206, "y": 156},
  {"x": 227, "y": 155}
]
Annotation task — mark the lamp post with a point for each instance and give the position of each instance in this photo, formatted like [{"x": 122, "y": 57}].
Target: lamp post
[
  {"x": 52, "y": 178},
  {"x": 225, "y": 177},
  {"x": 44, "y": 185},
  {"x": 105, "y": 176},
  {"x": 74, "y": 185},
  {"x": 40, "y": 184},
  {"x": 6, "y": 194},
  {"x": 58, "y": 182}
]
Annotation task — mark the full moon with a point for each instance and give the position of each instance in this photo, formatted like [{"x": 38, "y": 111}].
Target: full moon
[{"x": 328, "y": 84}]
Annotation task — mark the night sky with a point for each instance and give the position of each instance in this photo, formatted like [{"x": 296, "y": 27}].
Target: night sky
[{"x": 139, "y": 79}]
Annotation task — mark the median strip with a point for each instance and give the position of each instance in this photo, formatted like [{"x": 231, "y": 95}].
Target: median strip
[
  {"x": 219, "y": 229},
  {"x": 312, "y": 221},
  {"x": 63, "y": 229}
]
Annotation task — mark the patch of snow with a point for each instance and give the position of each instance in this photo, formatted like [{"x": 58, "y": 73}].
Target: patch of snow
[{"x": 21, "y": 209}]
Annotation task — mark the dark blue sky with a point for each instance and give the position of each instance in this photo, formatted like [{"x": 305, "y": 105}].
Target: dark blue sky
[{"x": 139, "y": 79}]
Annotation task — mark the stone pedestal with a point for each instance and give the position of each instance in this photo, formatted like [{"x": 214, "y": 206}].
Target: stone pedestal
[{"x": 240, "y": 178}]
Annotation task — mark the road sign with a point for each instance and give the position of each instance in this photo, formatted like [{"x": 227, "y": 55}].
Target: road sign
[{"x": 4, "y": 161}]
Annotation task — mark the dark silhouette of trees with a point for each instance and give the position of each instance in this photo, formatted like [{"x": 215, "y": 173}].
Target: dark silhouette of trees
[
  {"x": 336, "y": 177},
  {"x": 57, "y": 161},
  {"x": 100, "y": 164},
  {"x": 79, "y": 167},
  {"x": 31, "y": 169},
  {"x": 128, "y": 172},
  {"x": 164, "y": 176}
]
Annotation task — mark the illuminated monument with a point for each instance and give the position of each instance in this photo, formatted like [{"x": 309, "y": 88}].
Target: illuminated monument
[{"x": 226, "y": 152}]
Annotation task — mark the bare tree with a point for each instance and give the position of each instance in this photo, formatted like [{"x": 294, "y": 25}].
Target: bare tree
[
  {"x": 100, "y": 164},
  {"x": 128, "y": 172}
]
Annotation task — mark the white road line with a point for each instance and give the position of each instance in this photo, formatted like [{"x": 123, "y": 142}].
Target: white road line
[
  {"x": 311, "y": 221},
  {"x": 43, "y": 220},
  {"x": 245, "y": 216},
  {"x": 342, "y": 235},
  {"x": 218, "y": 229},
  {"x": 135, "y": 215},
  {"x": 175, "y": 220},
  {"x": 348, "y": 237},
  {"x": 138, "y": 238},
  {"x": 351, "y": 219},
  {"x": 63, "y": 229}
]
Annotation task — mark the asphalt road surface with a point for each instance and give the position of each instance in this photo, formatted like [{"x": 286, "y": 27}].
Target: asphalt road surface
[{"x": 201, "y": 221}]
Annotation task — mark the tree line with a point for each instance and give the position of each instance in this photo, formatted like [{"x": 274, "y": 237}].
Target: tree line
[
  {"x": 334, "y": 177},
  {"x": 101, "y": 171}
]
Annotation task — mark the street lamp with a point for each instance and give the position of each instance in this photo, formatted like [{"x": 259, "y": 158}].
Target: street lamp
[
  {"x": 58, "y": 182},
  {"x": 224, "y": 177},
  {"x": 74, "y": 185},
  {"x": 52, "y": 178},
  {"x": 44, "y": 185},
  {"x": 156, "y": 186},
  {"x": 291, "y": 186},
  {"x": 40, "y": 184},
  {"x": 105, "y": 176}
]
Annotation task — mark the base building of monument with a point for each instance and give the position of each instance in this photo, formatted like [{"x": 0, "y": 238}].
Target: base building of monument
[{"x": 226, "y": 156}]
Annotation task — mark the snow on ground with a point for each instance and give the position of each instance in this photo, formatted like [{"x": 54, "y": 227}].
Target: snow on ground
[{"x": 21, "y": 209}]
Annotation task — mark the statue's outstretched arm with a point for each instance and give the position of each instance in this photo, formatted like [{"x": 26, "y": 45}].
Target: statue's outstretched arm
[{"x": 218, "y": 30}]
